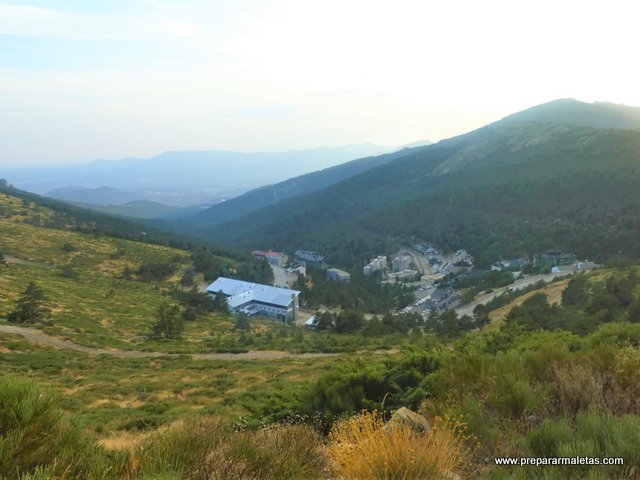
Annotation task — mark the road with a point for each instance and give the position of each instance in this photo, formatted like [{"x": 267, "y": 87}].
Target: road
[
  {"x": 419, "y": 260},
  {"x": 517, "y": 285},
  {"x": 11, "y": 260},
  {"x": 280, "y": 277}
]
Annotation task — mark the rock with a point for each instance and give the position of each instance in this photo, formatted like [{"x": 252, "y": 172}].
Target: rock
[{"x": 405, "y": 417}]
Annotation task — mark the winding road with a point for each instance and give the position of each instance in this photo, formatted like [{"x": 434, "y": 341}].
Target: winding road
[
  {"x": 517, "y": 285},
  {"x": 280, "y": 277}
]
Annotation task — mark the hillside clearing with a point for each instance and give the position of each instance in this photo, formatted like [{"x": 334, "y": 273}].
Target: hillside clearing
[{"x": 552, "y": 291}]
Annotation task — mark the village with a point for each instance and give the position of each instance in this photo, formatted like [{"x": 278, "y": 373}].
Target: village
[{"x": 435, "y": 278}]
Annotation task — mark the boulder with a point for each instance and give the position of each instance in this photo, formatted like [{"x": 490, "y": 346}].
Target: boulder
[{"x": 405, "y": 417}]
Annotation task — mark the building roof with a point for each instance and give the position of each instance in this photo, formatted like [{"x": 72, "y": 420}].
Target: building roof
[
  {"x": 309, "y": 256},
  {"x": 337, "y": 271},
  {"x": 266, "y": 253},
  {"x": 556, "y": 254},
  {"x": 439, "y": 294},
  {"x": 240, "y": 292}
]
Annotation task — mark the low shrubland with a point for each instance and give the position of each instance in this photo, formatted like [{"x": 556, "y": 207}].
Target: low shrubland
[{"x": 38, "y": 442}]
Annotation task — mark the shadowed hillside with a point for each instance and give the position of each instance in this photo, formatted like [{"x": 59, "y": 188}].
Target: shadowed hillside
[{"x": 510, "y": 188}]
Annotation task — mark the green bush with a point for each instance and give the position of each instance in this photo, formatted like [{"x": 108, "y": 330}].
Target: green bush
[
  {"x": 36, "y": 440},
  {"x": 594, "y": 434},
  {"x": 205, "y": 450},
  {"x": 544, "y": 441}
]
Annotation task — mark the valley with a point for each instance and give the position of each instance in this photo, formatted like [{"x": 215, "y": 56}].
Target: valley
[{"x": 491, "y": 278}]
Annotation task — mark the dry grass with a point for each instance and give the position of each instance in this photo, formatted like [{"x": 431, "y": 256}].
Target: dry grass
[
  {"x": 611, "y": 383},
  {"x": 363, "y": 446},
  {"x": 554, "y": 297},
  {"x": 124, "y": 440},
  {"x": 205, "y": 450}
]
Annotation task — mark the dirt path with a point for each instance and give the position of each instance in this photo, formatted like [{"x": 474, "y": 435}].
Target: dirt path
[
  {"x": 41, "y": 338},
  {"x": 11, "y": 260}
]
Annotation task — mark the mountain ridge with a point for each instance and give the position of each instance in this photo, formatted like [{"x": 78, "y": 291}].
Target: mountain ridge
[
  {"x": 293, "y": 187},
  {"x": 188, "y": 178},
  {"x": 453, "y": 191}
]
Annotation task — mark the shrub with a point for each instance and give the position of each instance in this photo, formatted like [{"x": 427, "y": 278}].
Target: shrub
[
  {"x": 545, "y": 439},
  {"x": 35, "y": 440},
  {"x": 577, "y": 388},
  {"x": 363, "y": 446},
  {"x": 480, "y": 422},
  {"x": 515, "y": 396},
  {"x": 593, "y": 434},
  {"x": 153, "y": 271},
  {"x": 206, "y": 449},
  {"x": 68, "y": 247},
  {"x": 169, "y": 323},
  {"x": 31, "y": 306}
]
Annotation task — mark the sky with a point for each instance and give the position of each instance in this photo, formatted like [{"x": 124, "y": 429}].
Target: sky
[{"x": 85, "y": 79}]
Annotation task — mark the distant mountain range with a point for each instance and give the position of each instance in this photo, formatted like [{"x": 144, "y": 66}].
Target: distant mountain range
[
  {"x": 181, "y": 178},
  {"x": 560, "y": 175}
]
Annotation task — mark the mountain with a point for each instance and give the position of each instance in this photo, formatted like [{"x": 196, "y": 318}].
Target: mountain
[
  {"x": 308, "y": 183},
  {"x": 66, "y": 216},
  {"x": 418, "y": 143},
  {"x": 574, "y": 112},
  {"x": 514, "y": 187},
  {"x": 188, "y": 178},
  {"x": 96, "y": 196}
]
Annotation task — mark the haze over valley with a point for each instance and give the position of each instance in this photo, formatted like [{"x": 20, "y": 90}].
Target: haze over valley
[{"x": 178, "y": 178}]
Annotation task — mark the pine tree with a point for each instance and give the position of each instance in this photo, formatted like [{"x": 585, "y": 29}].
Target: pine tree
[
  {"x": 170, "y": 323},
  {"x": 31, "y": 306},
  {"x": 220, "y": 303},
  {"x": 242, "y": 322}
]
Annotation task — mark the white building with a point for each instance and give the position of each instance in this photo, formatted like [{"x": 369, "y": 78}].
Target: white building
[
  {"x": 375, "y": 265},
  {"x": 401, "y": 262},
  {"x": 254, "y": 298},
  {"x": 274, "y": 258},
  {"x": 338, "y": 275}
]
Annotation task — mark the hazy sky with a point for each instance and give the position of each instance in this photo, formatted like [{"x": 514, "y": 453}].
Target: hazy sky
[{"x": 83, "y": 79}]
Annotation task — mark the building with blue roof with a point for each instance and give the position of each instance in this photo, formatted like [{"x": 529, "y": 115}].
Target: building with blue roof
[{"x": 257, "y": 299}]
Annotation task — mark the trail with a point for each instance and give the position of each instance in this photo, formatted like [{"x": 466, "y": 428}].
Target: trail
[
  {"x": 11, "y": 260},
  {"x": 41, "y": 338}
]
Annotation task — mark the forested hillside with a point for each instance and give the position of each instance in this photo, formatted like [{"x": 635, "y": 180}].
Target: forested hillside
[
  {"x": 511, "y": 188},
  {"x": 304, "y": 184}
]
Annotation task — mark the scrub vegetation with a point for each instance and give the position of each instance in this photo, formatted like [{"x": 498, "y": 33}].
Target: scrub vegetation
[{"x": 554, "y": 379}]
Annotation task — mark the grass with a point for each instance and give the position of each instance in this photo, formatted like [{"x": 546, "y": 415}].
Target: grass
[
  {"x": 95, "y": 304},
  {"x": 111, "y": 395},
  {"x": 38, "y": 442},
  {"x": 553, "y": 292},
  {"x": 364, "y": 446},
  {"x": 205, "y": 449}
]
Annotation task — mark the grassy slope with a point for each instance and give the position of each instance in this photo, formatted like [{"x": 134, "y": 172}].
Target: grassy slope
[
  {"x": 113, "y": 395},
  {"x": 99, "y": 308}
]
